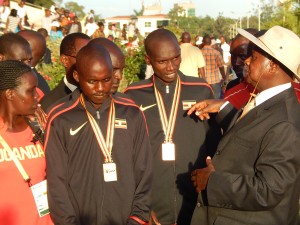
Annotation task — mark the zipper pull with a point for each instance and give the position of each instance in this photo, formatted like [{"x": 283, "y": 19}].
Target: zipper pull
[
  {"x": 167, "y": 89},
  {"x": 98, "y": 115}
]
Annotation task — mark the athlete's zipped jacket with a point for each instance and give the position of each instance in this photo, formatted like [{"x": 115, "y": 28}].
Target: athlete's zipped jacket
[
  {"x": 77, "y": 191},
  {"x": 173, "y": 195}
]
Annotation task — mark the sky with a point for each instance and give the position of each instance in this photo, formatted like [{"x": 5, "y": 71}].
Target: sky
[{"x": 229, "y": 8}]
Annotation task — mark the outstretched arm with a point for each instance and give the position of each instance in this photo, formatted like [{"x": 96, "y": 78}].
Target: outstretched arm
[{"x": 203, "y": 108}]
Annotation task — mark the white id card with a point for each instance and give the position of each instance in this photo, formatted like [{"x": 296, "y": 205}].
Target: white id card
[
  {"x": 39, "y": 192},
  {"x": 168, "y": 151},
  {"x": 110, "y": 172}
]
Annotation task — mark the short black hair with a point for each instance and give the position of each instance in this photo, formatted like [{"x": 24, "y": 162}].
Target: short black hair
[
  {"x": 67, "y": 46},
  {"x": 11, "y": 72},
  {"x": 6, "y": 41},
  {"x": 43, "y": 32}
]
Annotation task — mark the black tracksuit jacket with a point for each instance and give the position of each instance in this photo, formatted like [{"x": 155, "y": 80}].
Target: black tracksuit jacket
[{"x": 77, "y": 191}]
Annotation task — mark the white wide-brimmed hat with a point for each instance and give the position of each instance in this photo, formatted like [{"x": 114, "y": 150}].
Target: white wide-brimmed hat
[
  {"x": 55, "y": 24},
  {"x": 280, "y": 43}
]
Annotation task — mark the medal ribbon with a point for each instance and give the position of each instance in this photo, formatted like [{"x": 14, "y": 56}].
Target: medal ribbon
[
  {"x": 168, "y": 125},
  {"x": 105, "y": 145},
  {"x": 15, "y": 160}
]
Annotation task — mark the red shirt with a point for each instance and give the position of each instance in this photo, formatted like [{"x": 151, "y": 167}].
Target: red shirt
[
  {"x": 297, "y": 89},
  {"x": 240, "y": 94},
  {"x": 17, "y": 205}
]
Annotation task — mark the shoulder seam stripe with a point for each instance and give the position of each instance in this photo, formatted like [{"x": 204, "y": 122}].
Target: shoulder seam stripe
[
  {"x": 126, "y": 99},
  {"x": 198, "y": 83},
  {"x": 53, "y": 117},
  {"x": 138, "y": 87},
  {"x": 55, "y": 107}
]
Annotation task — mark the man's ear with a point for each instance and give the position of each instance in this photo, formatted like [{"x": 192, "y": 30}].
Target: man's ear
[
  {"x": 2, "y": 58},
  {"x": 273, "y": 67},
  {"x": 147, "y": 59},
  {"x": 76, "y": 76},
  {"x": 64, "y": 60}
]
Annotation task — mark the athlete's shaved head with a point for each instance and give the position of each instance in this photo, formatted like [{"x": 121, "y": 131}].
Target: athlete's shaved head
[
  {"x": 90, "y": 54},
  {"x": 37, "y": 43},
  {"x": 14, "y": 47},
  {"x": 158, "y": 36},
  {"x": 117, "y": 59},
  {"x": 94, "y": 73}
]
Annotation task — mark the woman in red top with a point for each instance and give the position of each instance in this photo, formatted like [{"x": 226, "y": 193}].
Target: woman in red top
[{"x": 18, "y": 98}]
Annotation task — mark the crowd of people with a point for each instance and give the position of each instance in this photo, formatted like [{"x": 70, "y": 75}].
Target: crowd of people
[
  {"x": 174, "y": 148},
  {"x": 60, "y": 22}
]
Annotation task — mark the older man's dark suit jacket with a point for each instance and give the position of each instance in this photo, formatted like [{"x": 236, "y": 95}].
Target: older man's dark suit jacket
[
  {"x": 60, "y": 91},
  {"x": 257, "y": 169}
]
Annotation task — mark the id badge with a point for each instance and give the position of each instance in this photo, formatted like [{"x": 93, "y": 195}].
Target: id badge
[
  {"x": 110, "y": 172},
  {"x": 168, "y": 151},
  {"x": 39, "y": 192}
]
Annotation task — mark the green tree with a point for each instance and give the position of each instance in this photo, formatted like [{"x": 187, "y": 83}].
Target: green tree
[
  {"x": 140, "y": 12},
  {"x": 58, "y": 2},
  {"x": 207, "y": 26},
  {"x": 284, "y": 14},
  {"x": 77, "y": 9},
  {"x": 222, "y": 26},
  {"x": 43, "y": 3}
]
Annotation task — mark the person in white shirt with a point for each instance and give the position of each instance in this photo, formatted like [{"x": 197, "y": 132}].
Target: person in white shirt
[
  {"x": 4, "y": 13},
  {"x": 21, "y": 11},
  {"x": 90, "y": 27},
  {"x": 226, "y": 50},
  {"x": 192, "y": 61},
  {"x": 47, "y": 20}
]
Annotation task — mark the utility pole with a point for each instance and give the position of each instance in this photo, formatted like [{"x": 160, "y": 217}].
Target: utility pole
[
  {"x": 240, "y": 22},
  {"x": 248, "y": 20},
  {"x": 258, "y": 16}
]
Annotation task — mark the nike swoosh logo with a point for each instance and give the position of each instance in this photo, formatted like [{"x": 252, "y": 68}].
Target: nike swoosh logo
[
  {"x": 73, "y": 132},
  {"x": 146, "y": 107}
]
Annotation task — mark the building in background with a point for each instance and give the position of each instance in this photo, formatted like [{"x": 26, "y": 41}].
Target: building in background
[
  {"x": 189, "y": 8},
  {"x": 151, "y": 19}
]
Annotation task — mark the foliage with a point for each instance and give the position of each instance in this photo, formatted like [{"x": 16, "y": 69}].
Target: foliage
[
  {"x": 58, "y": 2},
  {"x": 286, "y": 15},
  {"x": 140, "y": 12},
  {"x": 43, "y": 3},
  {"x": 54, "y": 72},
  {"x": 134, "y": 70},
  {"x": 135, "y": 66},
  {"x": 222, "y": 26},
  {"x": 77, "y": 9}
]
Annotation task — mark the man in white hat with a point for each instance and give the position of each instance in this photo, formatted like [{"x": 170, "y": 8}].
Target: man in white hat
[{"x": 254, "y": 176}]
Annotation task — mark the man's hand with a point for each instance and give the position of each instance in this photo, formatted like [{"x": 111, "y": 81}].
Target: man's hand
[
  {"x": 200, "y": 176},
  {"x": 203, "y": 108}
]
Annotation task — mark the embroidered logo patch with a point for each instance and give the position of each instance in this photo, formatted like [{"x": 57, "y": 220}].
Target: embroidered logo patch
[
  {"x": 121, "y": 123},
  {"x": 187, "y": 104}
]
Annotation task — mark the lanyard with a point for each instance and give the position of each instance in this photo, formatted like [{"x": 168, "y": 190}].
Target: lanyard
[
  {"x": 16, "y": 161},
  {"x": 168, "y": 125},
  {"x": 105, "y": 146}
]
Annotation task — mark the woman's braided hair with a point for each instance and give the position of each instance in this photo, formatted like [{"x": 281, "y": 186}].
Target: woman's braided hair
[{"x": 11, "y": 72}]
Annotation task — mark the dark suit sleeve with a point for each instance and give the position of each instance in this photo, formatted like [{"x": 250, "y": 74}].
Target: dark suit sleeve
[
  {"x": 61, "y": 209},
  {"x": 142, "y": 156},
  {"x": 226, "y": 116},
  {"x": 275, "y": 171}
]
